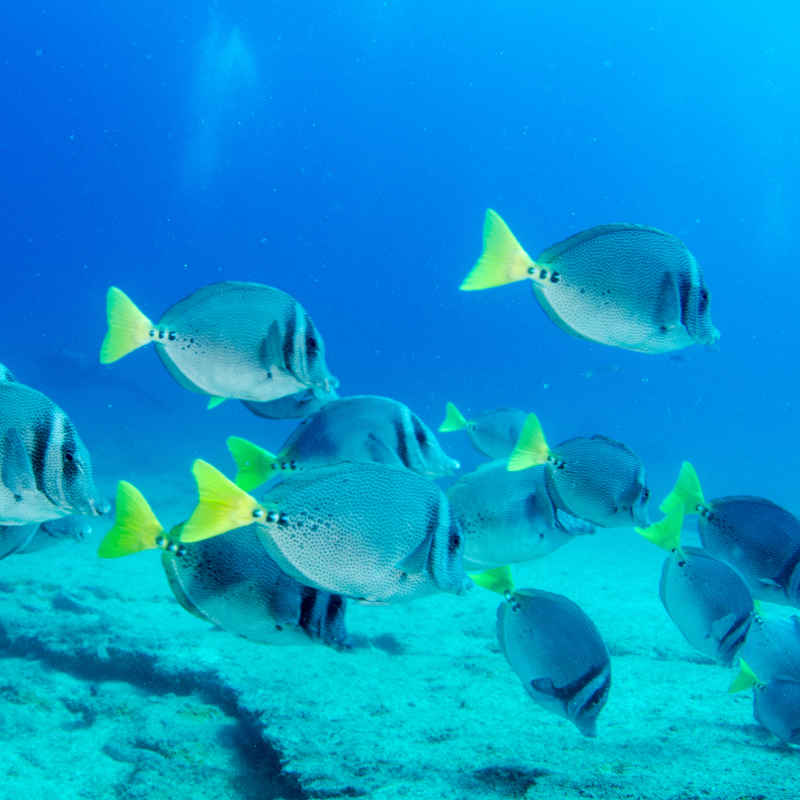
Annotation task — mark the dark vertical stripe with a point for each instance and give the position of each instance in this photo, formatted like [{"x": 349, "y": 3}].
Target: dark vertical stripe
[
  {"x": 685, "y": 293},
  {"x": 434, "y": 513},
  {"x": 597, "y": 697},
  {"x": 734, "y": 638},
  {"x": 288, "y": 341},
  {"x": 311, "y": 342},
  {"x": 41, "y": 436},
  {"x": 402, "y": 444},
  {"x": 68, "y": 448}
]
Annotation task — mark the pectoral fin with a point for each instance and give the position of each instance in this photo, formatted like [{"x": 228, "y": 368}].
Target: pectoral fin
[
  {"x": 417, "y": 561},
  {"x": 17, "y": 473}
]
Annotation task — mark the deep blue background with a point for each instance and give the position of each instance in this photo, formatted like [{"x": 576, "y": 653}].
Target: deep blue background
[{"x": 346, "y": 152}]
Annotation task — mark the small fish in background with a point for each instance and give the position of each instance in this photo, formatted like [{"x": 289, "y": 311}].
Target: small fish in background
[
  {"x": 776, "y": 703},
  {"x": 592, "y": 477},
  {"x": 293, "y": 406},
  {"x": 492, "y": 433},
  {"x": 229, "y": 580},
  {"x": 555, "y": 649},
  {"x": 373, "y": 532},
  {"x": 227, "y": 340},
  {"x": 628, "y": 286},
  {"x": 361, "y": 428},
  {"x": 45, "y": 468},
  {"x": 508, "y": 517},
  {"x": 772, "y": 648},
  {"x": 755, "y": 536},
  {"x": 35, "y": 537},
  {"x": 706, "y": 599}
]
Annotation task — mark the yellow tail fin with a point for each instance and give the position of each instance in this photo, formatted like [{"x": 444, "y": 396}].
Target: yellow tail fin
[
  {"x": 503, "y": 260},
  {"x": 497, "y": 579},
  {"x": 745, "y": 679},
  {"x": 135, "y": 527},
  {"x": 128, "y": 328},
  {"x": 253, "y": 463},
  {"x": 223, "y": 506},
  {"x": 531, "y": 448},
  {"x": 666, "y": 532},
  {"x": 213, "y": 402},
  {"x": 687, "y": 490},
  {"x": 453, "y": 420}
]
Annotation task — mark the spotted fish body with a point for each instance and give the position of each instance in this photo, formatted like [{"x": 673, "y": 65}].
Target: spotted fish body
[
  {"x": 776, "y": 706},
  {"x": 370, "y": 531},
  {"x": 708, "y": 602},
  {"x": 600, "y": 480},
  {"x": 623, "y": 285},
  {"x": 772, "y": 648},
  {"x": 508, "y": 517},
  {"x": 628, "y": 286},
  {"x": 45, "y": 468},
  {"x": 293, "y": 406},
  {"x": 232, "y": 582},
  {"x": 494, "y": 433},
  {"x": 558, "y": 654},
  {"x": 760, "y": 540},
  {"x": 230, "y": 340},
  {"x": 365, "y": 428}
]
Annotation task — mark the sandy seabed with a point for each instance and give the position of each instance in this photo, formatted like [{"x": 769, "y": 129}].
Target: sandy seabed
[{"x": 109, "y": 689}]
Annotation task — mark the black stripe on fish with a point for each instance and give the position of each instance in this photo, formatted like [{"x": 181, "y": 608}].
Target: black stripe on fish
[
  {"x": 335, "y": 603},
  {"x": 734, "y": 638},
  {"x": 70, "y": 466},
  {"x": 311, "y": 342},
  {"x": 402, "y": 444},
  {"x": 685, "y": 293},
  {"x": 288, "y": 340},
  {"x": 568, "y": 691},
  {"x": 597, "y": 697},
  {"x": 434, "y": 514},
  {"x": 41, "y": 436}
]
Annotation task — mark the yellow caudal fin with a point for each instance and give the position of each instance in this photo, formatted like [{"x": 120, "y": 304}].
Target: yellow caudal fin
[
  {"x": 666, "y": 532},
  {"x": 223, "y": 506},
  {"x": 497, "y": 579},
  {"x": 531, "y": 448},
  {"x": 213, "y": 402},
  {"x": 687, "y": 490},
  {"x": 135, "y": 527},
  {"x": 128, "y": 328},
  {"x": 745, "y": 679},
  {"x": 453, "y": 420},
  {"x": 253, "y": 463},
  {"x": 503, "y": 260}
]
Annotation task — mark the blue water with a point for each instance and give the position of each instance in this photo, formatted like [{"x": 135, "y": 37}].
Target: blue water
[{"x": 346, "y": 152}]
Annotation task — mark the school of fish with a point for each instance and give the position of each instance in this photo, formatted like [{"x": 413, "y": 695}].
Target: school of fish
[{"x": 348, "y": 508}]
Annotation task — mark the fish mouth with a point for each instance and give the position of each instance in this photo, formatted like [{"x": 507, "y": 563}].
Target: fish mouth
[{"x": 97, "y": 507}]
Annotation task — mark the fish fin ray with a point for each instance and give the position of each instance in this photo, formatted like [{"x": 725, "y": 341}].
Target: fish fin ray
[
  {"x": 503, "y": 259},
  {"x": 128, "y": 328},
  {"x": 496, "y": 579},
  {"x": 135, "y": 526},
  {"x": 531, "y": 448},
  {"x": 253, "y": 463}
]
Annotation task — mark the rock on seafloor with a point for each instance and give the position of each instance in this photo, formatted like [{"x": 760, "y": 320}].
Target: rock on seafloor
[{"x": 108, "y": 689}]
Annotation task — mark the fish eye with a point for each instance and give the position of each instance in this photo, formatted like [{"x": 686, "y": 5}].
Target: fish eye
[
  {"x": 312, "y": 345},
  {"x": 454, "y": 542},
  {"x": 645, "y": 494},
  {"x": 703, "y": 304}
]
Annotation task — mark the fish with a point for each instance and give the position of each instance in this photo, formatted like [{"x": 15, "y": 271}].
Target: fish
[
  {"x": 555, "y": 650},
  {"x": 293, "y": 406},
  {"x": 624, "y": 285},
  {"x": 772, "y": 648},
  {"x": 229, "y": 580},
  {"x": 776, "y": 703},
  {"x": 492, "y": 433},
  {"x": 508, "y": 517},
  {"x": 361, "y": 428},
  {"x": 373, "y": 532},
  {"x": 708, "y": 602},
  {"x": 592, "y": 477},
  {"x": 227, "y": 340},
  {"x": 45, "y": 468},
  {"x": 16, "y": 538},
  {"x": 758, "y": 538}
]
